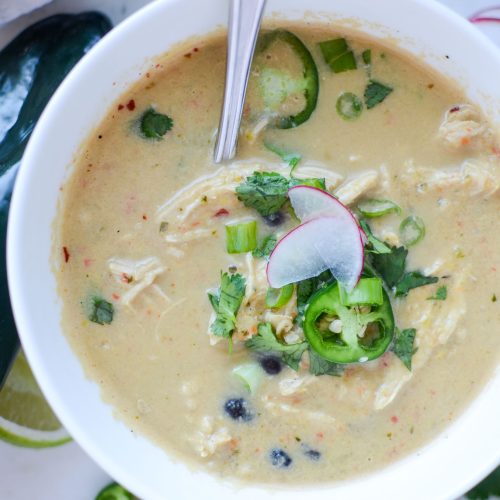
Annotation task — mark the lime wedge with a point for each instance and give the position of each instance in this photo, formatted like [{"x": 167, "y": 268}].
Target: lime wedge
[{"x": 25, "y": 417}]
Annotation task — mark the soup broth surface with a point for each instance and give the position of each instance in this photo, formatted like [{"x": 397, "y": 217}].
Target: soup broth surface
[{"x": 142, "y": 228}]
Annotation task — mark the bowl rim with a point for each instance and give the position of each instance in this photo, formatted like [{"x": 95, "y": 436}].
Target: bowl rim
[{"x": 21, "y": 308}]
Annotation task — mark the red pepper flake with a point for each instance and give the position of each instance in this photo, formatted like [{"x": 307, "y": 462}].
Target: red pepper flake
[
  {"x": 87, "y": 262},
  {"x": 195, "y": 49},
  {"x": 157, "y": 65},
  {"x": 131, "y": 105},
  {"x": 145, "y": 217},
  {"x": 222, "y": 212},
  {"x": 66, "y": 254},
  {"x": 115, "y": 296},
  {"x": 120, "y": 107},
  {"x": 320, "y": 435},
  {"x": 126, "y": 278},
  {"x": 455, "y": 109},
  {"x": 394, "y": 419}
]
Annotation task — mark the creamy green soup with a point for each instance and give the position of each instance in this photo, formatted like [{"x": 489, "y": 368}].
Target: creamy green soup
[{"x": 232, "y": 383}]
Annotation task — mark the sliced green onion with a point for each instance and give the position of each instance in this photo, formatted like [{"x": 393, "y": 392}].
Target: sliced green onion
[
  {"x": 377, "y": 208},
  {"x": 412, "y": 230},
  {"x": 338, "y": 55},
  {"x": 279, "y": 297},
  {"x": 346, "y": 62},
  {"x": 331, "y": 49},
  {"x": 367, "y": 56},
  {"x": 349, "y": 106},
  {"x": 241, "y": 238},
  {"x": 250, "y": 374},
  {"x": 368, "y": 291}
]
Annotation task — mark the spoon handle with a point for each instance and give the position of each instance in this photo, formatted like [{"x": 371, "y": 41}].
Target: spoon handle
[{"x": 244, "y": 22}]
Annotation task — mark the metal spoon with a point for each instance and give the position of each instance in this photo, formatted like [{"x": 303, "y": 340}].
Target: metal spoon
[{"x": 245, "y": 17}]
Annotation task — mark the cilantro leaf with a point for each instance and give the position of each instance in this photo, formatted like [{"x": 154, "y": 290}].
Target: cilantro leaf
[
  {"x": 375, "y": 93},
  {"x": 321, "y": 366},
  {"x": 441, "y": 294},
  {"x": 292, "y": 159},
  {"x": 226, "y": 304},
  {"x": 101, "y": 311},
  {"x": 376, "y": 246},
  {"x": 391, "y": 266},
  {"x": 267, "y": 192},
  {"x": 266, "y": 341},
  {"x": 155, "y": 125},
  {"x": 266, "y": 247},
  {"x": 412, "y": 280},
  {"x": 316, "y": 182},
  {"x": 403, "y": 345}
]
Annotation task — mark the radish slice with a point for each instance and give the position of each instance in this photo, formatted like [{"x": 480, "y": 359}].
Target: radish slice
[
  {"x": 327, "y": 242},
  {"x": 310, "y": 202}
]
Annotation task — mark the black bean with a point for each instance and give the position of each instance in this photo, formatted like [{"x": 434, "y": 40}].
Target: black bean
[
  {"x": 238, "y": 409},
  {"x": 280, "y": 458},
  {"x": 313, "y": 454},
  {"x": 271, "y": 364},
  {"x": 275, "y": 219}
]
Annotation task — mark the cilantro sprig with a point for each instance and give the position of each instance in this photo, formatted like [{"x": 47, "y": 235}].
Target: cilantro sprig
[
  {"x": 226, "y": 303},
  {"x": 403, "y": 346}
]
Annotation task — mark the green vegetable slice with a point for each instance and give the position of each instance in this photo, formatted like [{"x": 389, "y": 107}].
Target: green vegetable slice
[
  {"x": 114, "y": 491},
  {"x": 310, "y": 75},
  {"x": 266, "y": 247},
  {"x": 368, "y": 291},
  {"x": 101, "y": 311},
  {"x": 377, "y": 208},
  {"x": 412, "y": 230},
  {"x": 403, "y": 345},
  {"x": 226, "y": 303},
  {"x": 279, "y": 297},
  {"x": 242, "y": 237},
  {"x": 363, "y": 336},
  {"x": 441, "y": 294},
  {"x": 338, "y": 55},
  {"x": 266, "y": 341},
  {"x": 349, "y": 106},
  {"x": 375, "y": 93},
  {"x": 250, "y": 374},
  {"x": 155, "y": 125}
]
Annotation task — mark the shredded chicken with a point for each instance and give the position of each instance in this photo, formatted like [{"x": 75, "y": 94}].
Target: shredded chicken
[
  {"x": 209, "y": 438},
  {"x": 354, "y": 188},
  {"x": 472, "y": 178}
]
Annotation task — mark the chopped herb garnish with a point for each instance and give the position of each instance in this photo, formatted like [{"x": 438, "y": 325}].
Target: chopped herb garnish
[
  {"x": 321, "y": 366},
  {"x": 155, "y": 125},
  {"x": 226, "y": 303},
  {"x": 413, "y": 279},
  {"x": 315, "y": 182},
  {"x": 163, "y": 227},
  {"x": 306, "y": 288},
  {"x": 412, "y": 230},
  {"x": 391, "y": 268},
  {"x": 441, "y": 294},
  {"x": 292, "y": 159},
  {"x": 101, "y": 311},
  {"x": 266, "y": 341},
  {"x": 349, "y": 106},
  {"x": 264, "y": 191},
  {"x": 338, "y": 55},
  {"x": 375, "y": 93},
  {"x": 374, "y": 244},
  {"x": 265, "y": 247},
  {"x": 493, "y": 298},
  {"x": 403, "y": 345}
]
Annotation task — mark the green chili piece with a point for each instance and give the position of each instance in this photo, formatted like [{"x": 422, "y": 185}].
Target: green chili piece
[
  {"x": 349, "y": 106},
  {"x": 412, "y": 230},
  {"x": 241, "y": 238},
  {"x": 279, "y": 297},
  {"x": 362, "y": 336},
  {"x": 368, "y": 291},
  {"x": 377, "y": 208},
  {"x": 310, "y": 75}
]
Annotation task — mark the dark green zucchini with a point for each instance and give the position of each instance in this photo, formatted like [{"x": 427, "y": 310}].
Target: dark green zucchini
[{"x": 31, "y": 68}]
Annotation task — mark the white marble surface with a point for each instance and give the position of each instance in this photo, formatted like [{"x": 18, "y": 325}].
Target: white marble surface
[{"x": 67, "y": 473}]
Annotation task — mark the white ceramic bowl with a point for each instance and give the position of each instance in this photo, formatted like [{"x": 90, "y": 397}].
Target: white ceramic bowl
[{"x": 444, "y": 469}]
